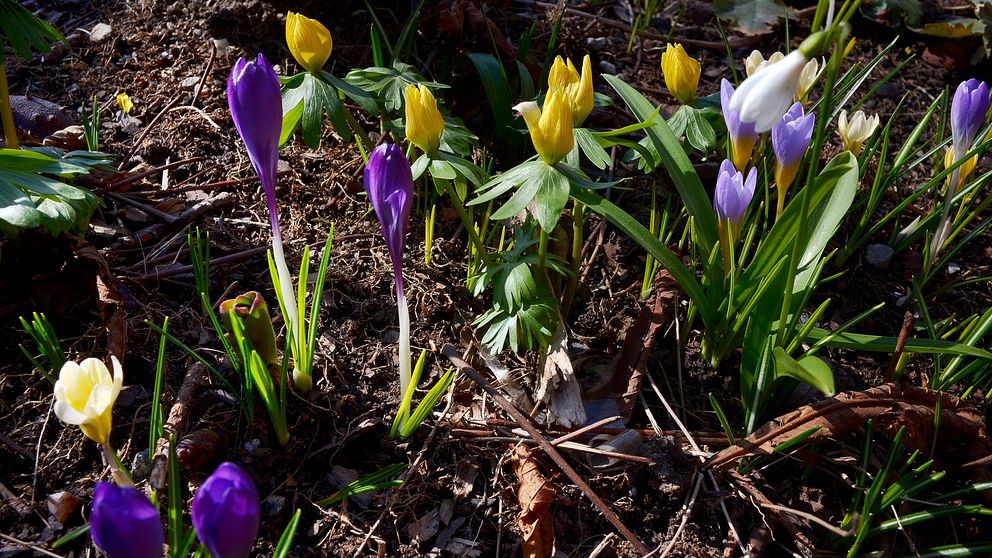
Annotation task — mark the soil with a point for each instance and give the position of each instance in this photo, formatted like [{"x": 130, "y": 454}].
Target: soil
[{"x": 459, "y": 495}]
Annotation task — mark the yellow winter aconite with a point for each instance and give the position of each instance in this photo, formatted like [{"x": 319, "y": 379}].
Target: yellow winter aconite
[
  {"x": 424, "y": 124},
  {"x": 308, "y": 40},
  {"x": 550, "y": 129},
  {"x": 124, "y": 102},
  {"x": 85, "y": 394},
  {"x": 578, "y": 88},
  {"x": 681, "y": 73}
]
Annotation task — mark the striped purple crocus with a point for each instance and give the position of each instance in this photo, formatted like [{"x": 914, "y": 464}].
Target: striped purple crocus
[
  {"x": 790, "y": 139},
  {"x": 742, "y": 135},
  {"x": 256, "y": 108}
]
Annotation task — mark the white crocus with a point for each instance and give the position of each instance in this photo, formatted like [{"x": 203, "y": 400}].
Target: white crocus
[
  {"x": 766, "y": 95},
  {"x": 85, "y": 395},
  {"x": 755, "y": 61},
  {"x": 857, "y": 130},
  {"x": 810, "y": 72}
]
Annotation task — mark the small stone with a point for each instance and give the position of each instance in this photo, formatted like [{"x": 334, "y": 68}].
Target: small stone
[
  {"x": 607, "y": 67},
  {"x": 252, "y": 445},
  {"x": 140, "y": 466},
  {"x": 879, "y": 255},
  {"x": 272, "y": 505},
  {"x": 62, "y": 504},
  {"x": 953, "y": 268},
  {"x": 100, "y": 33},
  {"x": 190, "y": 82},
  {"x": 596, "y": 43}
]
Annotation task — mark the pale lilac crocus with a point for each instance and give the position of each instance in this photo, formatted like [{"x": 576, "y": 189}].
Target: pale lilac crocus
[
  {"x": 226, "y": 512},
  {"x": 731, "y": 198},
  {"x": 389, "y": 184},
  {"x": 742, "y": 135},
  {"x": 790, "y": 139},
  {"x": 256, "y": 107}
]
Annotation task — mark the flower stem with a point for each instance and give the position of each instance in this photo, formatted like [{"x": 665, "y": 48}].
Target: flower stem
[
  {"x": 473, "y": 234},
  {"x": 578, "y": 224},
  {"x": 357, "y": 128},
  {"x": 405, "y": 356},
  {"x": 112, "y": 460},
  {"x": 9, "y": 130}
]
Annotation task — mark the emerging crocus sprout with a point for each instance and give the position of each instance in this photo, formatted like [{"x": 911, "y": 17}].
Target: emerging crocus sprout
[
  {"x": 309, "y": 41},
  {"x": 226, "y": 513},
  {"x": 790, "y": 139},
  {"x": 124, "y": 523},
  {"x": 681, "y": 73},
  {"x": 742, "y": 136},
  {"x": 550, "y": 129},
  {"x": 857, "y": 130},
  {"x": 577, "y": 87},
  {"x": 424, "y": 124},
  {"x": 731, "y": 198}
]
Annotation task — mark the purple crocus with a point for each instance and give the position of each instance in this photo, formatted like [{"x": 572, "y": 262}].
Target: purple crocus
[
  {"x": 742, "y": 136},
  {"x": 790, "y": 139},
  {"x": 124, "y": 524},
  {"x": 733, "y": 193},
  {"x": 225, "y": 512},
  {"x": 968, "y": 109},
  {"x": 256, "y": 108}
]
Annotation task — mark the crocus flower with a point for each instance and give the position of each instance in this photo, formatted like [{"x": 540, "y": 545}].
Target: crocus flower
[
  {"x": 764, "y": 97},
  {"x": 807, "y": 77},
  {"x": 250, "y": 307},
  {"x": 742, "y": 136},
  {"x": 681, "y": 73},
  {"x": 790, "y": 138},
  {"x": 733, "y": 193},
  {"x": 755, "y": 61},
  {"x": 85, "y": 394},
  {"x": 578, "y": 88},
  {"x": 124, "y": 524},
  {"x": 308, "y": 40},
  {"x": 855, "y": 132},
  {"x": 550, "y": 129},
  {"x": 968, "y": 109},
  {"x": 256, "y": 108},
  {"x": 225, "y": 512},
  {"x": 389, "y": 184},
  {"x": 424, "y": 124}
]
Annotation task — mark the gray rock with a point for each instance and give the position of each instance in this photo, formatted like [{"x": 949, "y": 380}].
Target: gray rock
[
  {"x": 272, "y": 505},
  {"x": 596, "y": 43},
  {"x": 607, "y": 67},
  {"x": 100, "y": 33},
  {"x": 879, "y": 255},
  {"x": 190, "y": 82}
]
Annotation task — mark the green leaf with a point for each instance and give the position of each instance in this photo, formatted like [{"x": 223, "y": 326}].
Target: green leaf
[
  {"x": 387, "y": 84},
  {"x": 495, "y": 85},
  {"x": 956, "y": 28},
  {"x": 586, "y": 141},
  {"x": 551, "y": 197},
  {"x": 894, "y": 13},
  {"x": 24, "y": 32},
  {"x": 698, "y": 132},
  {"x": 884, "y": 344},
  {"x": 442, "y": 170},
  {"x": 751, "y": 17},
  {"x": 286, "y": 540},
  {"x": 811, "y": 370}
]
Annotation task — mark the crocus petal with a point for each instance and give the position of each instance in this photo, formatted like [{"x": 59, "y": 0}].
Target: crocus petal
[
  {"x": 968, "y": 109},
  {"x": 226, "y": 512},
  {"x": 256, "y": 108},
  {"x": 389, "y": 183},
  {"x": 765, "y": 96},
  {"x": 124, "y": 524},
  {"x": 791, "y": 135},
  {"x": 733, "y": 193},
  {"x": 742, "y": 136}
]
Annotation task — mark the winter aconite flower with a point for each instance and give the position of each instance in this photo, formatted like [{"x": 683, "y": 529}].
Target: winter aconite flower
[
  {"x": 733, "y": 192},
  {"x": 225, "y": 512},
  {"x": 857, "y": 130},
  {"x": 790, "y": 138},
  {"x": 681, "y": 73},
  {"x": 550, "y": 129},
  {"x": 85, "y": 394},
  {"x": 424, "y": 124},
  {"x": 576, "y": 87},
  {"x": 742, "y": 136},
  {"x": 308, "y": 40},
  {"x": 124, "y": 524}
]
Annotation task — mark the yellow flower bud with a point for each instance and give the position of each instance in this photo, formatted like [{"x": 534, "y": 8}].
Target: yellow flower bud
[
  {"x": 124, "y": 102},
  {"x": 85, "y": 394},
  {"x": 964, "y": 171},
  {"x": 424, "y": 124},
  {"x": 681, "y": 73},
  {"x": 550, "y": 129},
  {"x": 755, "y": 61},
  {"x": 564, "y": 77},
  {"x": 855, "y": 132},
  {"x": 308, "y": 40}
]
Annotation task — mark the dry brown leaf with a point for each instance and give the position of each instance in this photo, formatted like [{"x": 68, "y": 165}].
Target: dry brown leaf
[
  {"x": 535, "y": 496},
  {"x": 558, "y": 386}
]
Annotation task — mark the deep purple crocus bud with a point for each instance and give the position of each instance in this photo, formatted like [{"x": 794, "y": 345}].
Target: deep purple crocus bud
[
  {"x": 225, "y": 512},
  {"x": 389, "y": 184},
  {"x": 742, "y": 136},
  {"x": 968, "y": 109},
  {"x": 124, "y": 524},
  {"x": 733, "y": 192},
  {"x": 790, "y": 138}
]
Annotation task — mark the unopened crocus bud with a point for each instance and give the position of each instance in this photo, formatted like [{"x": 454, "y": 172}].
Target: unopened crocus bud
[
  {"x": 790, "y": 139},
  {"x": 85, "y": 394},
  {"x": 250, "y": 307},
  {"x": 681, "y": 73},
  {"x": 225, "y": 512},
  {"x": 389, "y": 184},
  {"x": 733, "y": 193},
  {"x": 124, "y": 524},
  {"x": 742, "y": 136},
  {"x": 424, "y": 124},
  {"x": 308, "y": 40},
  {"x": 577, "y": 87},
  {"x": 807, "y": 78},
  {"x": 857, "y": 130},
  {"x": 551, "y": 128},
  {"x": 968, "y": 110}
]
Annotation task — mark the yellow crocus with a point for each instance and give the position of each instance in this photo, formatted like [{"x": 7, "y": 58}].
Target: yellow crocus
[
  {"x": 424, "y": 124},
  {"x": 964, "y": 171},
  {"x": 550, "y": 129},
  {"x": 681, "y": 73},
  {"x": 308, "y": 40},
  {"x": 85, "y": 394},
  {"x": 124, "y": 102},
  {"x": 577, "y": 87}
]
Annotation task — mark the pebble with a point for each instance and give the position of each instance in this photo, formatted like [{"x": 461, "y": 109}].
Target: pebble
[
  {"x": 100, "y": 33},
  {"x": 272, "y": 505},
  {"x": 607, "y": 67},
  {"x": 879, "y": 255},
  {"x": 596, "y": 43},
  {"x": 190, "y": 82}
]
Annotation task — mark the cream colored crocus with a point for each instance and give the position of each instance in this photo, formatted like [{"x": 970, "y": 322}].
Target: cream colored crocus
[
  {"x": 308, "y": 40},
  {"x": 681, "y": 73},
  {"x": 577, "y": 87},
  {"x": 807, "y": 78},
  {"x": 550, "y": 129},
  {"x": 857, "y": 130},
  {"x": 424, "y": 124},
  {"x": 755, "y": 61},
  {"x": 85, "y": 394}
]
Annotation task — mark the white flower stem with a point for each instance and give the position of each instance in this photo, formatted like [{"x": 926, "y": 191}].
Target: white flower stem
[
  {"x": 405, "y": 362},
  {"x": 285, "y": 285}
]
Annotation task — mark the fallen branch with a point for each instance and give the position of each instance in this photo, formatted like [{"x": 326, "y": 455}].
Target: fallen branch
[
  {"x": 148, "y": 235},
  {"x": 176, "y": 423}
]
